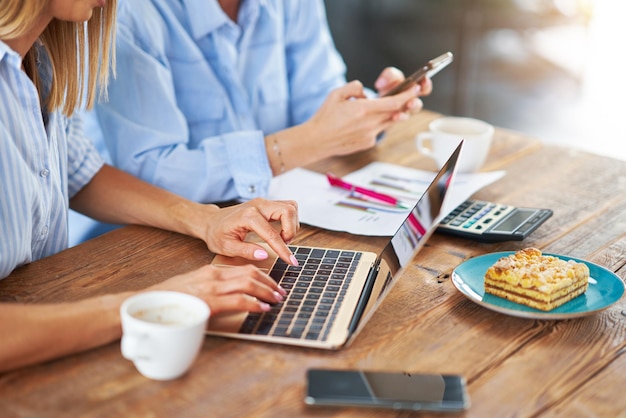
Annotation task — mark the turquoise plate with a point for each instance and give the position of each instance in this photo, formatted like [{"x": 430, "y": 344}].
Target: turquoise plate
[{"x": 605, "y": 288}]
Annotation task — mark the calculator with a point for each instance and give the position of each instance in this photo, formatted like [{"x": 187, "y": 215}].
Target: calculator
[{"x": 492, "y": 222}]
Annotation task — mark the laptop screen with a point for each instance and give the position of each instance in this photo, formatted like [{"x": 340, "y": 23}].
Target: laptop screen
[
  {"x": 415, "y": 230},
  {"x": 421, "y": 222}
]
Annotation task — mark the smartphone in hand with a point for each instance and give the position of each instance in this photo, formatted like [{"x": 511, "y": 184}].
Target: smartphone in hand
[{"x": 429, "y": 69}]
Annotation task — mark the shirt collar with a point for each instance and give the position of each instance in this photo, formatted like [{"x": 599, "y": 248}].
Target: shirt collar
[
  {"x": 7, "y": 53},
  {"x": 207, "y": 16}
]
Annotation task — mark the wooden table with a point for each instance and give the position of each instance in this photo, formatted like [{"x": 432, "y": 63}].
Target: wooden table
[{"x": 515, "y": 367}]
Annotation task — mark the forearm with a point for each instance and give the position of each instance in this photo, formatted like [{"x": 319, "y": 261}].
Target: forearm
[
  {"x": 36, "y": 333},
  {"x": 114, "y": 196},
  {"x": 294, "y": 147}
]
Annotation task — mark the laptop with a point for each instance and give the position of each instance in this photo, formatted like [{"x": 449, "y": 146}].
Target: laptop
[{"x": 333, "y": 292}]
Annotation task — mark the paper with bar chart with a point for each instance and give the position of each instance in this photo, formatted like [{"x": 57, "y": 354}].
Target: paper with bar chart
[{"x": 337, "y": 209}]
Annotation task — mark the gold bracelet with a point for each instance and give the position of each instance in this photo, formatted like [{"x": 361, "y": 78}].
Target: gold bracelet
[{"x": 278, "y": 153}]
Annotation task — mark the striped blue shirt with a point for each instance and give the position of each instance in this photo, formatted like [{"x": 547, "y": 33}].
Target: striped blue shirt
[{"x": 42, "y": 165}]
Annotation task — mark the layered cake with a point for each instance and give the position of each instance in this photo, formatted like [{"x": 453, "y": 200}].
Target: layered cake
[{"x": 536, "y": 280}]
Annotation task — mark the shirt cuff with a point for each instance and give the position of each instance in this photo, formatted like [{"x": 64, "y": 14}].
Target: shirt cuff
[{"x": 248, "y": 163}]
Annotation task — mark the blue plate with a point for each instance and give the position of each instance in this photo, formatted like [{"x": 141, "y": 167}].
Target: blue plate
[{"x": 605, "y": 288}]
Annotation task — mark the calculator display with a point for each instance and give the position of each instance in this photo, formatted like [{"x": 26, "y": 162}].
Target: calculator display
[{"x": 514, "y": 221}]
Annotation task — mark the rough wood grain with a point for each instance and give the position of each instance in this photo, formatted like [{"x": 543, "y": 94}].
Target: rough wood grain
[{"x": 515, "y": 367}]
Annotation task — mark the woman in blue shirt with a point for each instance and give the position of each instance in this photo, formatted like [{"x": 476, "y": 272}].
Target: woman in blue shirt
[
  {"x": 230, "y": 93},
  {"x": 47, "y": 164}
]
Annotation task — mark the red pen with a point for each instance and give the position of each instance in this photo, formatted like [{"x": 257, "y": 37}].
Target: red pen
[{"x": 337, "y": 182}]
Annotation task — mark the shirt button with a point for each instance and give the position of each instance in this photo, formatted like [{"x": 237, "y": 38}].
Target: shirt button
[
  {"x": 251, "y": 188},
  {"x": 44, "y": 231},
  {"x": 44, "y": 173}
]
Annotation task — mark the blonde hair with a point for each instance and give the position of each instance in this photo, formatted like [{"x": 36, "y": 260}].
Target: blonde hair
[{"x": 74, "y": 48}]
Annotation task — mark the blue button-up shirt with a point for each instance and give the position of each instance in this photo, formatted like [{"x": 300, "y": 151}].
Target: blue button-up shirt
[
  {"x": 42, "y": 165},
  {"x": 195, "y": 93}
]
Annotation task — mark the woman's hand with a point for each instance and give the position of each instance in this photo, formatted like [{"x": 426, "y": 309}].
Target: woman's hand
[
  {"x": 349, "y": 122},
  {"x": 391, "y": 77},
  {"x": 228, "y": 289},
  {"x": 227, "y": 228}
]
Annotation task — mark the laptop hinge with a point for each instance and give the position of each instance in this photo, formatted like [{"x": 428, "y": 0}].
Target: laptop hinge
[{"x": 365, "y": 297}]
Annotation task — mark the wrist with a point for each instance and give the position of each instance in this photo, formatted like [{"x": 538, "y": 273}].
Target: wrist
[
  {"x": 315, "y": 142},
  {"x": 293, "y": 147},
  {"x": 274, "y": 146},
  {"x": 194, "y": 219}
]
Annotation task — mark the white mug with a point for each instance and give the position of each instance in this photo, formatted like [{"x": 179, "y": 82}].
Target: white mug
[
  {"x": 444, "y": 135},
  {"x": 163, "y": 332}
]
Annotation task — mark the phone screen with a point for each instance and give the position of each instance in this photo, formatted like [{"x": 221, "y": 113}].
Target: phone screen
[{"x": 397, "y": 390}]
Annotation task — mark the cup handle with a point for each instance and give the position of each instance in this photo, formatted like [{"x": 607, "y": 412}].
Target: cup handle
[
  {"x": 422, "y": 139},
  {"x": 131, "y": 347}
]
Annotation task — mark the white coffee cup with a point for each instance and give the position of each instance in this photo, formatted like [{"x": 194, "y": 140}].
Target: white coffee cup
[
  {"x": 444, "y": 135},
  {"x": 163, "y": 332}
]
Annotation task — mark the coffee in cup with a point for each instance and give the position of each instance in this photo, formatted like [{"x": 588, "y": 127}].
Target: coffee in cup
[
  {"x": 444, "y": 135},
  {"x": 163, "y": 332}
]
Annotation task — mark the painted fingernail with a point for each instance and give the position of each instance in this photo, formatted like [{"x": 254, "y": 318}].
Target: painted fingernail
[
  {"x": 282, "y": 291},
  {"x": 260, "y": 254},
  {"x": 294, "y": 260},
  {"x": 265, "y": 306},
  {"x": 278, "y": 297}
]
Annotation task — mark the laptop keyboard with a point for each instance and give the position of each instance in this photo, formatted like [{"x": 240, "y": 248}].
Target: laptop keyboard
[{"x": 315, "y": 291}]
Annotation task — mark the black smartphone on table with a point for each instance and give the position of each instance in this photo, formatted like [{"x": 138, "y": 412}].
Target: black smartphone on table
[
  {"x": 386, "y": 389},
  {"x": 429, "y": 69}
]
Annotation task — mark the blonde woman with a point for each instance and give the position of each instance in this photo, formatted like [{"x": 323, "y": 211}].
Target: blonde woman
[{"x": 46, "y": 163}]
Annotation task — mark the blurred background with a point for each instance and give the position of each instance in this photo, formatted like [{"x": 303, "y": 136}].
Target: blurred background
[{"x": 552, "y": 69}]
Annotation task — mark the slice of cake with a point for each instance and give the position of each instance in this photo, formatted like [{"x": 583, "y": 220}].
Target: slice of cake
[{"x": 536, "y": 280}]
